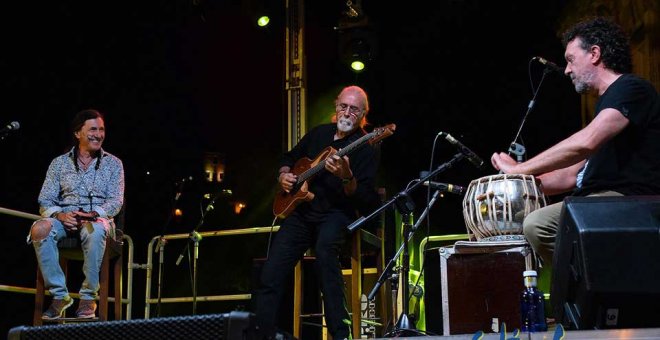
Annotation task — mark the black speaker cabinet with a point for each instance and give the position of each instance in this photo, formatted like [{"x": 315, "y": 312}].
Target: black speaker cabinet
[
  {"x": 227, "y": 326},
  {"x": 606, "y": 266}
]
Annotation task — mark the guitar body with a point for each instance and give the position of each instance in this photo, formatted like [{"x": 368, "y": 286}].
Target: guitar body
[
  {"x": 305, "y": 169},
  {"x": 286, "y": 202}
]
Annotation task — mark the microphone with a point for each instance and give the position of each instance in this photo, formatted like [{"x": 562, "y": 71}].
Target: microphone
[
  {"x": 13, "y": 126},
  {"x": 471, "y": 156},
  {"x": 179, "y": 187},
  {"x": 550, "y": 65},
  {"x": 452, "y": 188},
  {"x": 223, "y": 192}
]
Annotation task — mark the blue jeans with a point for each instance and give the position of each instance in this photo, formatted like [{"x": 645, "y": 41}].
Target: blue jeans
[{"x": 92, "y": 237}]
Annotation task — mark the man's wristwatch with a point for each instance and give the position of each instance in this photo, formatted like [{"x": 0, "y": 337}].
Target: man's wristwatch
[{"x": 347, "y": 180}]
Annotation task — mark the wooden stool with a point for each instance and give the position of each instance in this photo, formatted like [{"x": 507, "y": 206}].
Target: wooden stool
[
  {"x": 356, "y": 272},
  {"x": 70, "y": 250}
]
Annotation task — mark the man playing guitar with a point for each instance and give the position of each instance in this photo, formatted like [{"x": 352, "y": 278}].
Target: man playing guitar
[{"x": 341, "y": 188}]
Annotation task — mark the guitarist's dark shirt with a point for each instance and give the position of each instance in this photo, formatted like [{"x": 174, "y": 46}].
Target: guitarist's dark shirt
[{"x": 328, "y": 191}]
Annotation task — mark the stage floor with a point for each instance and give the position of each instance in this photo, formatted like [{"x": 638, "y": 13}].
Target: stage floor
[{"x": 633, "y": 334}]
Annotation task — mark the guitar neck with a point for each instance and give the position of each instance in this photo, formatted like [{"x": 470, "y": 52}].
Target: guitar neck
[{"x": 341, "y": 153}]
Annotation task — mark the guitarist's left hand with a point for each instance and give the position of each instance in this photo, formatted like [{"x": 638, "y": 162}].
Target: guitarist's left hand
[{"x": 339, "y": 166}]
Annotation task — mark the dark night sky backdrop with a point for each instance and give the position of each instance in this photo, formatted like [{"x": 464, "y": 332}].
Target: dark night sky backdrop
[{"x": 180, "y": 78}]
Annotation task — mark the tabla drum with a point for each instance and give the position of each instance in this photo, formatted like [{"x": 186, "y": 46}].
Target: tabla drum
[{"x": 494, "y": 206}]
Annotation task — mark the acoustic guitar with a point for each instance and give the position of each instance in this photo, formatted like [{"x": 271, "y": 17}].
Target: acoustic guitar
[{"x": 305, "y": 169}]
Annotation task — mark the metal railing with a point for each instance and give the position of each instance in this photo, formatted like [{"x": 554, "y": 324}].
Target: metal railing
[
  {"x": 129, "y": 275},
  {"x": 437, "y": 238},
  {"x": 160, "y": 241}
]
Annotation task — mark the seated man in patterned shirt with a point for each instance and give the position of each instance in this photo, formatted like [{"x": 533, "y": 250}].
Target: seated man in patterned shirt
[{"x": 82, "y": 192}]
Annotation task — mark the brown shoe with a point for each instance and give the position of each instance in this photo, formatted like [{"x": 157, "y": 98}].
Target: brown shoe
[
  {"x": 86, "y": 309},
  {"x": 57, "y": 308}
]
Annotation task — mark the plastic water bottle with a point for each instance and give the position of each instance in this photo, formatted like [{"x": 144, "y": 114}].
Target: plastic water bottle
[{"x": 531, "y": 305}]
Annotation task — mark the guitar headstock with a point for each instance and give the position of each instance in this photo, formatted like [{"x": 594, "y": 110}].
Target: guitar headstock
[{"x": 381, "y": 133}]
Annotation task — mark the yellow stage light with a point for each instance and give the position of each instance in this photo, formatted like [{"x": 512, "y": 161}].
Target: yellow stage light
[
  {"x": 263, "y": 21},
  {"x": 357, "y": 66}
]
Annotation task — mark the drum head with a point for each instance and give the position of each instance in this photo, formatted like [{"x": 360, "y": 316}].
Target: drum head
[{"x": 495, "y": 206}]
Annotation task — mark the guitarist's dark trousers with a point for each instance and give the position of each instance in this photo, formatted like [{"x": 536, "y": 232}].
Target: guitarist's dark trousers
[{"x": 301, "y": 230}]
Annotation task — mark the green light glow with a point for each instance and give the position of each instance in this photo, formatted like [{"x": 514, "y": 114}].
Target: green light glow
[
  {"x": 357, "y": 65},
  {"x": 263, "y": 21}
]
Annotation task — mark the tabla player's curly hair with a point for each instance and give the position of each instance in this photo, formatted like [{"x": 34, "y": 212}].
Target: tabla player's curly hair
[{"x": 602, "y": 32}]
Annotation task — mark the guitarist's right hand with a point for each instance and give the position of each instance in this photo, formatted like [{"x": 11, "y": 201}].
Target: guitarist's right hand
[{"x": 287, "y": 180}]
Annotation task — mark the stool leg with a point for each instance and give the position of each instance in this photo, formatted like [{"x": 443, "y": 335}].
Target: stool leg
[
  {"x": 103, "y": 282},
  {"x": 297, "y": 299},
  {"x": 118, "y": 287},
  {"x": 38, "y": 299},
  {"x": 356, "y": 285},
  {"x": 384, "y": 296}
]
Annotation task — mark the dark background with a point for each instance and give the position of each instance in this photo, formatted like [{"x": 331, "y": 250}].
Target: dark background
[{"x": 177, "y": 79}]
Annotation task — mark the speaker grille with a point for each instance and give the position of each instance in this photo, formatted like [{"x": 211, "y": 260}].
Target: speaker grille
[
  {"x": 211, "y": 326},
  {"x": 605, "y": 268}
]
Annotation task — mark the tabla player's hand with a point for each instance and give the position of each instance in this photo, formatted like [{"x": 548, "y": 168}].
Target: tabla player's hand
[{"x": 503, "y": 162}]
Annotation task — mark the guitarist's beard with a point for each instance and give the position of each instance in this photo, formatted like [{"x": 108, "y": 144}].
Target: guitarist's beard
[{"x": 345, "y": 125}]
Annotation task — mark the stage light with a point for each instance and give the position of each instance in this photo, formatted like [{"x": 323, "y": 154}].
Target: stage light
[
  {"x": 267, "y": 14},
  {"x": 357, "y": 65},
  {"x": 360, "y": 54},
  {"x": 238, "y": 206},
  {"x": 263, "y": 21},
  {"x": 353, "y": 10},
  {"x": 357, "y": 48}
]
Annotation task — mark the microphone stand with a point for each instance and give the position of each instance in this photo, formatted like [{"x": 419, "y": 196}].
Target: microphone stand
[
  {"x": 195, "y": 237},
  {"x": 403, "y": 323},
  {"x": 405, "y": 206},
  {"x": 160, "y": 248},
  {"x": 389, "y": 266},
  {"x": 515, "y": 147}
]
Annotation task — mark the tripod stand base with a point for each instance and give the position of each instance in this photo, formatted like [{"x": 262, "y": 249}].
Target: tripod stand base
[
  {"x": 404, "y": 328},
  {"x": 402, "y": 332}
]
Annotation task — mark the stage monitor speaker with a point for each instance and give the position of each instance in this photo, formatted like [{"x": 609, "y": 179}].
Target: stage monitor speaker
[
  {"x": 227, "y": 326},
  {"x": 606, "y": 266}
]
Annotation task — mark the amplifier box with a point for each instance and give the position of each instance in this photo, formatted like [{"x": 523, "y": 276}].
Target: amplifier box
[{"x": 481, "y": 286}]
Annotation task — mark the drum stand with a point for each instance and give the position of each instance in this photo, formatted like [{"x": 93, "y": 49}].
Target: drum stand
[{"x": 405, "y": 206}]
